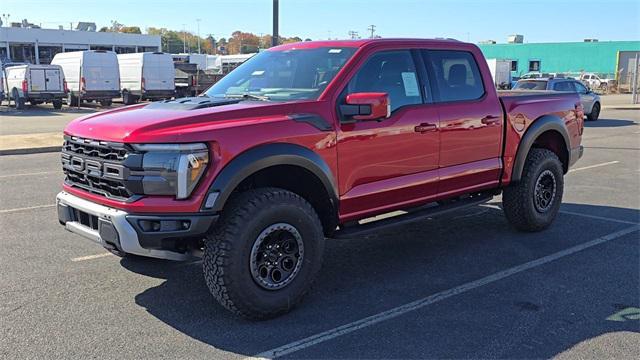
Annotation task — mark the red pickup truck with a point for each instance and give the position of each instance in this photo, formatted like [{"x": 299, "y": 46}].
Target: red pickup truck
[{"x": 303, "y": 142}]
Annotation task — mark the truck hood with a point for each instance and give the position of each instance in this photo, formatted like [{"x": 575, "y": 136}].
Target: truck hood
[{"x": 173, "y": 121}]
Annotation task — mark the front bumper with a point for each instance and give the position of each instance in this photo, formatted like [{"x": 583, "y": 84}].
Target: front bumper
[
  {"x": 575, "y": 155},
  {"x": 115, "y": 229}
]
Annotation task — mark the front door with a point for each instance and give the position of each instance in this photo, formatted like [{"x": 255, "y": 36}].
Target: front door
[{"x": 393, "y": 162}]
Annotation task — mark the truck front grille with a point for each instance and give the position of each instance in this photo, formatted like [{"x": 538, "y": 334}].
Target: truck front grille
[{"x": 97, "y": 167}]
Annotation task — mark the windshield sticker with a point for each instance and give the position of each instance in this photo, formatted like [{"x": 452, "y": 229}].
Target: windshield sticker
[
  {"x": 257, "y": 73},
  {"x": 410, "y": 84},
  {"x": 335, "y": 51}
]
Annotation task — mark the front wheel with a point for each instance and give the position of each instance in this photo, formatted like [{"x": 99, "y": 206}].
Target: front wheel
[
  {"x": 533, "y": 203},
  {"x": 264, "y": 253}
]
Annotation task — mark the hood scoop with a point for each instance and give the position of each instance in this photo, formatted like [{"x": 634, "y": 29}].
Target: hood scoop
[{"x": 191, "y": 103}]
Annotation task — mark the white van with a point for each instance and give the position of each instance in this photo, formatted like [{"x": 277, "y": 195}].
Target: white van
[
  {"x": 91, "y": 75},
  {"x": 148, "y": 75},
  {"x": 36, "y": 84}
]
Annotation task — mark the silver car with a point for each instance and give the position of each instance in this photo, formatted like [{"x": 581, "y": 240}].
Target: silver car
[{"x": 590, "y": 100}]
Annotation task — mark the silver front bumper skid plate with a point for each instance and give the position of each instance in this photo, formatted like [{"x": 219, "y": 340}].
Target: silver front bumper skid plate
[{"x": 127, "y": 235}]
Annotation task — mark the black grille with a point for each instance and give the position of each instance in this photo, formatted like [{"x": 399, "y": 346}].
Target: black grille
[
  {"x": 96, "y": 166},
  {"x": 95, "y": 149}
]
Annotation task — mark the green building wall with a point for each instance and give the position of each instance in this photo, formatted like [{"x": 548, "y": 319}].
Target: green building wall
[{"x": 597, "y": 57}]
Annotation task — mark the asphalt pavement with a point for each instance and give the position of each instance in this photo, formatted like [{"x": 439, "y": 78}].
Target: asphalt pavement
[{"x": 463, "y": 286}]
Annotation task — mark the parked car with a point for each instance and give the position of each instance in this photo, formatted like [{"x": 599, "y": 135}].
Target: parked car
[
  {"x": 590, "y": 100},
  {"x": 91, "y": 75},
  {"x": 2, "y": 86},
  {"x": 146, "y": 76},
  {"x": 594, "y": 81},
  {"x": 35, "y": 84},
  {"x": 301, "y": 143}
]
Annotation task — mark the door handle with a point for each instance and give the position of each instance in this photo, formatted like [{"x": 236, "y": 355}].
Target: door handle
[
  {"x": 423, "y": 128},
  {"x": 490, "y": 119}
]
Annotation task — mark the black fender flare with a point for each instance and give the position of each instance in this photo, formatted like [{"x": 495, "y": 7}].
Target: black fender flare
[
  {"x": 537, "y": 128},
  {"x": 264, "y": 156}
]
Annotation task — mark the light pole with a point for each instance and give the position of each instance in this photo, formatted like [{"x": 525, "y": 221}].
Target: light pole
[
  {"x": 198, "y": 21},
  {"x": 274, "y": 36},
  {"x": 184, "y": 39}
]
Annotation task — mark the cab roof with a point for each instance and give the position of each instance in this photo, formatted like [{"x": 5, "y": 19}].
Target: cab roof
[{"x": 358, "y": 43}]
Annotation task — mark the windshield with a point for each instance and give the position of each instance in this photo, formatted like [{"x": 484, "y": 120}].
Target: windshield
[
  {"x": 531, "y": 85},
  {"x": 283, "y": 75}
]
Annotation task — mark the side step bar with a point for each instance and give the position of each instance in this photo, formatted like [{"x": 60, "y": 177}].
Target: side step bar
[{"x": 418, "y": 214}]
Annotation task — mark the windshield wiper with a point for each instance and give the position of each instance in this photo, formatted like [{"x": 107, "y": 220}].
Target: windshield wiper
[{"x": 247, "y": 96}]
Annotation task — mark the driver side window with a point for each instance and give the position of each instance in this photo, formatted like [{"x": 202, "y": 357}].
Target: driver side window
[{"x": 391, "y": 72}]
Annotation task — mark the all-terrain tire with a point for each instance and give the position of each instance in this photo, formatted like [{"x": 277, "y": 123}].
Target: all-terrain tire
[
  {"x": 523, "y": 203},
  {"x": 228, "y": 252}
]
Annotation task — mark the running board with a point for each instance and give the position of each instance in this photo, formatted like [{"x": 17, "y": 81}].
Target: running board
[{"x": 418, "y": 214}]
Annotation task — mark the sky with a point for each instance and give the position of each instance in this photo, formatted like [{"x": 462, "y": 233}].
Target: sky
[{"x": 466, "y": 20}]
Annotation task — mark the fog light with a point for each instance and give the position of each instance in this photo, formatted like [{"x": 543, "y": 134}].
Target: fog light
[{"x": 148, "y": 225}]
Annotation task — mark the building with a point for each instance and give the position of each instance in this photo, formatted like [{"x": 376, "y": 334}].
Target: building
[
  {"x": 610, "y": 58},
  {"x": 38, "y": 46}
]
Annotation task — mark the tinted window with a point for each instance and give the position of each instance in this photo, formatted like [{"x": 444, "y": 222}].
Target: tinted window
[
  {"x": 391, "y": 72},
  {"x": 564, "y": 86},
  {"x": 531, "y": 85},
  {"x": 456, "y": 75},
  {"x": 580, "y": 88}
]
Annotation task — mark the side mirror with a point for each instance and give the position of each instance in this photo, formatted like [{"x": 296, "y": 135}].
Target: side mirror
[{"x": 367, "y": 106}]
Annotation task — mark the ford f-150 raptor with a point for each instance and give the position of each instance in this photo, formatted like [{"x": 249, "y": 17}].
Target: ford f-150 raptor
[{"x": 303, "y": 142}]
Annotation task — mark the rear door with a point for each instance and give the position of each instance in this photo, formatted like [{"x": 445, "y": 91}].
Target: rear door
[
  {"x": 471, "y": 120},
  {"x": 392, "y": 162},
  {"x": 158, "y": 72},
  {"x": 100, "y": 71},
  {"x": 53, "y": 80},
  {"x": 37, "y": 80}
]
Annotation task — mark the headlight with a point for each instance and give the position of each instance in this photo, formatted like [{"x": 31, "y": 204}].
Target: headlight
[{"x": 172, "y": 169}]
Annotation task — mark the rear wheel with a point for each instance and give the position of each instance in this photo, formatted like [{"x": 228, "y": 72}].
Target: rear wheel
[
  {"x": 106, "y": 102},
  {"x": 17, "y": 100},
  {"x": 533, "y": 203},
  {"x": 57, "y": 104},
  {"x": 72, "y": 100},
  {"x": 128, "y": 98},
  {"x": 264, "y": 253},
  {"x": 595, "y": 112}
]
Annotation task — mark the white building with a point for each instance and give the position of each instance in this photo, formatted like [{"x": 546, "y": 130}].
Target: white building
[{"x": 38, "y": 46}]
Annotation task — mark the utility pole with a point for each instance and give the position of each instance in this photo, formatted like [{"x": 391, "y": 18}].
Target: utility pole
[
  {"x": 634, "y": 81},
  {"x": 275, "y": 37},
  {"x": 184, "y": 39},
  {"x": 372, "y": 29},
  {"x": 198, "y": 21}
]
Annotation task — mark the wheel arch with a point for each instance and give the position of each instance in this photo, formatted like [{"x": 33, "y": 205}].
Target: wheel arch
[
  {"x": 548, "y": 132},
  {"x": 284, "y": 165}
]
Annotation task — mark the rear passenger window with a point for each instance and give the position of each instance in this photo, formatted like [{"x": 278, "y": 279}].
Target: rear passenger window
[
  {"x": 564, "y": 86},
  {"x": 392, "y": 72},
  {"x": 457, "y": 75}
]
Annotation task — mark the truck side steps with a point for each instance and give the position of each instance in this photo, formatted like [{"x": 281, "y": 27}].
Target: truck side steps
[{"x": 418, "y": 214}]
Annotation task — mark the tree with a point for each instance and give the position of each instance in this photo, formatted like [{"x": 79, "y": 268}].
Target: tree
[{"x": 130, "y": 30}]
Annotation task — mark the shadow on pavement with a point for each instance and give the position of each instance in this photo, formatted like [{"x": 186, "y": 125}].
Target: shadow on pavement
[
  {"x": 367, "y": 275},
  {"x": 609, "y": 123}
]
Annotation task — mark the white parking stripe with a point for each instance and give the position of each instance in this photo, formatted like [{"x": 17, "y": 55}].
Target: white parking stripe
[
  {"x": 418, "y": 304},
  {"x": 26, "y": 208},
  {"x": 594, "y": 166},
  {"x": 91, "y": 257},
  {"x": 578, "y": 214},
  {"x": 31, "y": 174}
]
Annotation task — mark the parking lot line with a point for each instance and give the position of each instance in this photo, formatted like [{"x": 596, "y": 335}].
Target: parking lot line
[
  {"x": 437, "y": 297},
  {"x": 91, "y": 257},
  {"x": 30, "y": 174},
  {"x": 594, "y": 166},
  {"x": 26, "y": 208},
  {"x": 578, "y": 214}
]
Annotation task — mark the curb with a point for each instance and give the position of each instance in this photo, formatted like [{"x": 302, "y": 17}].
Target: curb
[
  {"x": 26, "y": 151},
  {"x": 621, "y": 107}
]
